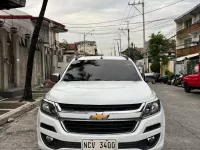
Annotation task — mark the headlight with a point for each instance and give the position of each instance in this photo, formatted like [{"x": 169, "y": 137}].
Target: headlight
[
  {"x": 151, "y": 108},
  {"x": 48, "y": 108}
]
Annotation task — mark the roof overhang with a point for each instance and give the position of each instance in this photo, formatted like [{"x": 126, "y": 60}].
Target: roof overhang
[
  {"x": 55, "y": 25},
  {"x": 188, "y": 14},
  {"x": 187, "y": 57},
  {"x": 8, "y": 4}
]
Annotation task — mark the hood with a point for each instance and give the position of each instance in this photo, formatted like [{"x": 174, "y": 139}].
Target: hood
[
  {"x": 186, "y": 78},
  {"x": 101, "y": 92}
]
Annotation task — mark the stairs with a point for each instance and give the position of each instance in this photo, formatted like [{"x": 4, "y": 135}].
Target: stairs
[{"x": 12, "y": 92}]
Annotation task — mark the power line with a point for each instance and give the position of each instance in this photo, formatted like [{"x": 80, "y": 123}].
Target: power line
[
  {"x": 148, "y": 22},
  {"x": 107, "y": 33},
  {"x": 124, "y": 15},
  {"x": 129, "y": 17},
  {"x": 135, "y": 23}
]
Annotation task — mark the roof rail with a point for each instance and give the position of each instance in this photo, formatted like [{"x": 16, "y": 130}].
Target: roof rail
[
  {"x": 125, "y": 57},
  {"x": 77, "y": 57}
]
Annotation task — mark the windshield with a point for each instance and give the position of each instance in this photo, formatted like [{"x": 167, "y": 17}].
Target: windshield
[{"x": 102, "y": 70}]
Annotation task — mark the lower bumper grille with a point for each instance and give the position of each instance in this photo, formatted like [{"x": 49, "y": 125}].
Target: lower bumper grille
[
  {"x": 143, "y": 144},
  {"x": 100, "y": 127}
]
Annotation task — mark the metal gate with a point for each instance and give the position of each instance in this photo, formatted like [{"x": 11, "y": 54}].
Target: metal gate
[{"x": 191, "y": 65}]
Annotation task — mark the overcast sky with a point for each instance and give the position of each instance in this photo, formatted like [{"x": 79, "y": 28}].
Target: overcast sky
[{"x": 71, "y": 12}]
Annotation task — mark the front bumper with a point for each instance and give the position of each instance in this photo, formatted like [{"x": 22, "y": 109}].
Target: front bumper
[{"x": 123, "y": 139}]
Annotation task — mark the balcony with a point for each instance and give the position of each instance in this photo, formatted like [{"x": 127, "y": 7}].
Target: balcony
[
  {"x": 188, "y": 51},
  {"x": 9, "y": 4},
  {"x": 185, "y": 32}
]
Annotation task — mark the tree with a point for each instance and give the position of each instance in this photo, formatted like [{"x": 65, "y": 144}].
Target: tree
[
  {"x": 28, "y": 88},
  {"x": 155, "y": 67},
  {"x": 158, "y": 47},
  {"x": 133, "y": 54},
  {"x": 64, "y": 45}
]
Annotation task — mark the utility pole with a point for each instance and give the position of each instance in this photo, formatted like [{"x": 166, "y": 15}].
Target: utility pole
[
  {"x": 119, "y": 45},
  {"x": 128, "y": 38},
  {"x": 144, "y": 40},
  {"x": 128, "y": 33},
  {"x": 84, "y": 44},
  {"x": 118, "y": 48},
  {"x": 120, "y": 39},
  {"x": 85, "y": 34},
  {"x": 114, "y": 50}
]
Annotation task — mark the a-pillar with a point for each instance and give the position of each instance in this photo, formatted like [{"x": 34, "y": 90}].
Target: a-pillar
[
  {"x": 15, "y": 47},
  {"x": 3, "y": 60}
]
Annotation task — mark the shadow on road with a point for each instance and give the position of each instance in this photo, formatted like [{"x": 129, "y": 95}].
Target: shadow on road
[{"x": 196, "y": 92}]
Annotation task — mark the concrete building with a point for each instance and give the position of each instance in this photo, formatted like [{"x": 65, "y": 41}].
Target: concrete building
[
  {"x": 90, "y": 48},
  {"x": 15, "y": 37},
  {"x": 188, "y": 32},
  {"x": 70, "y": 53}
]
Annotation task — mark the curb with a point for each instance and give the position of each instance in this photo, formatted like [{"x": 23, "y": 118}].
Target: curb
[{"x": 19, "y": 111}]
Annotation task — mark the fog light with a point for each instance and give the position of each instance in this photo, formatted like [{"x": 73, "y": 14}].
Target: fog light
[
  {"x": 49, "y": 139},
  {"x": 151, "y": 140}
]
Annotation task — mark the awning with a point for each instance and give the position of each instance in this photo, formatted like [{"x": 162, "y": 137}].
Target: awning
[{"x": 187, "y": 56}]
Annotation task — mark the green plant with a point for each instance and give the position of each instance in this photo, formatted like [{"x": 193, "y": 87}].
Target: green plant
[
  {"x": 155, "y": 67},
  {"x": 167, "y": 72}
]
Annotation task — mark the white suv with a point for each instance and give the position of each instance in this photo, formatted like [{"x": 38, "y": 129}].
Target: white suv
[{"x": 101, "y": 103}]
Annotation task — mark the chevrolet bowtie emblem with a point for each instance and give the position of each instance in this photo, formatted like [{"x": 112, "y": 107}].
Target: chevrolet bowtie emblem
[{"x": 99, "y": 116}]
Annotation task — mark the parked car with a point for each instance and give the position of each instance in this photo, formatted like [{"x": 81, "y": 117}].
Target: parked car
[
  {"x": 192, "y": 81},
  {"x": 101, "y": 103},
  {"x": 150, "y": 77}
]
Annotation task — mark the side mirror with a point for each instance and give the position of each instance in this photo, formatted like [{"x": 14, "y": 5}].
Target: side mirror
[{"x": 55, "y": 77}]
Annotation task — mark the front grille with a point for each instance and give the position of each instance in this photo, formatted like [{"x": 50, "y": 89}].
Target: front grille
[
  {"x": 99, "y": 108},
  {"x": 100, "y": 127}
]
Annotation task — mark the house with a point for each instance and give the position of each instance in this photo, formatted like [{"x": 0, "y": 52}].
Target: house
[
  {"x": 70, "y": 52},
  {"x": 188, "y": 32},
  {"x": 9, "y": 4},
  {"x": 87, "y": 47},
  {"x": 16, "y": 31}
]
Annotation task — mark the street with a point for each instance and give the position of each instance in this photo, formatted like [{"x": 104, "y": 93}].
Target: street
[{"x": 182, "y": 122}]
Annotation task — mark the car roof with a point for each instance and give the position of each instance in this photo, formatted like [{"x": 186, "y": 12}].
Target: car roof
[{"x": 104, "y": 58}]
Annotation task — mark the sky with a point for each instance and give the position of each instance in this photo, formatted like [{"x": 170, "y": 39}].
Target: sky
[{"x": 83, "y": 16}]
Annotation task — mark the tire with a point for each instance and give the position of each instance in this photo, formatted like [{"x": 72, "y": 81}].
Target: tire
[
  {"x": 153, "y": 82},
  {"x": 182, "y": 84},
  {"x": 187, "y": 88}
]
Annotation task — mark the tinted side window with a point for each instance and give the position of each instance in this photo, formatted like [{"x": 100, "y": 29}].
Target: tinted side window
[
  {"x": 196, "y": 70},
  {"x": 102, "y": 70}
]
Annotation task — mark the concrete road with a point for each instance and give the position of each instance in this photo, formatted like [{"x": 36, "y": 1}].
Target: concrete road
[
  {"x": 182, "y": 117},
  {"x": 182, "y": 123}
]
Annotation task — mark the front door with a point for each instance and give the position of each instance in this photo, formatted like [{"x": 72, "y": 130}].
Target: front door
[{"x": 196, "y": 77}]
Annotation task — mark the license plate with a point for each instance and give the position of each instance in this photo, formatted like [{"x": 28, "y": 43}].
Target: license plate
[{"x": 99, "y": 145}]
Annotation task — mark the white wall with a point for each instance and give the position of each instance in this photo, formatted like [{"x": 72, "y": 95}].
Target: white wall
[
  {"x": 194, "y": 36},
  {"x": 88, "y": 49}
]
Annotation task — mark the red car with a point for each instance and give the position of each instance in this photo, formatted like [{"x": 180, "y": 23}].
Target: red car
[{"x": 192, "y": 81}]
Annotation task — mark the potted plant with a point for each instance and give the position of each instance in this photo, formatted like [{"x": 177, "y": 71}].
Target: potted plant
[
  {"x": 27, "y": 36},
  {"x": 1, "y": 23},
  {"x": 13, "y": 30}
]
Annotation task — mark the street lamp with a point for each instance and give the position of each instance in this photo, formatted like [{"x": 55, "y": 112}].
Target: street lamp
[{"x": 85, "y": 34}]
